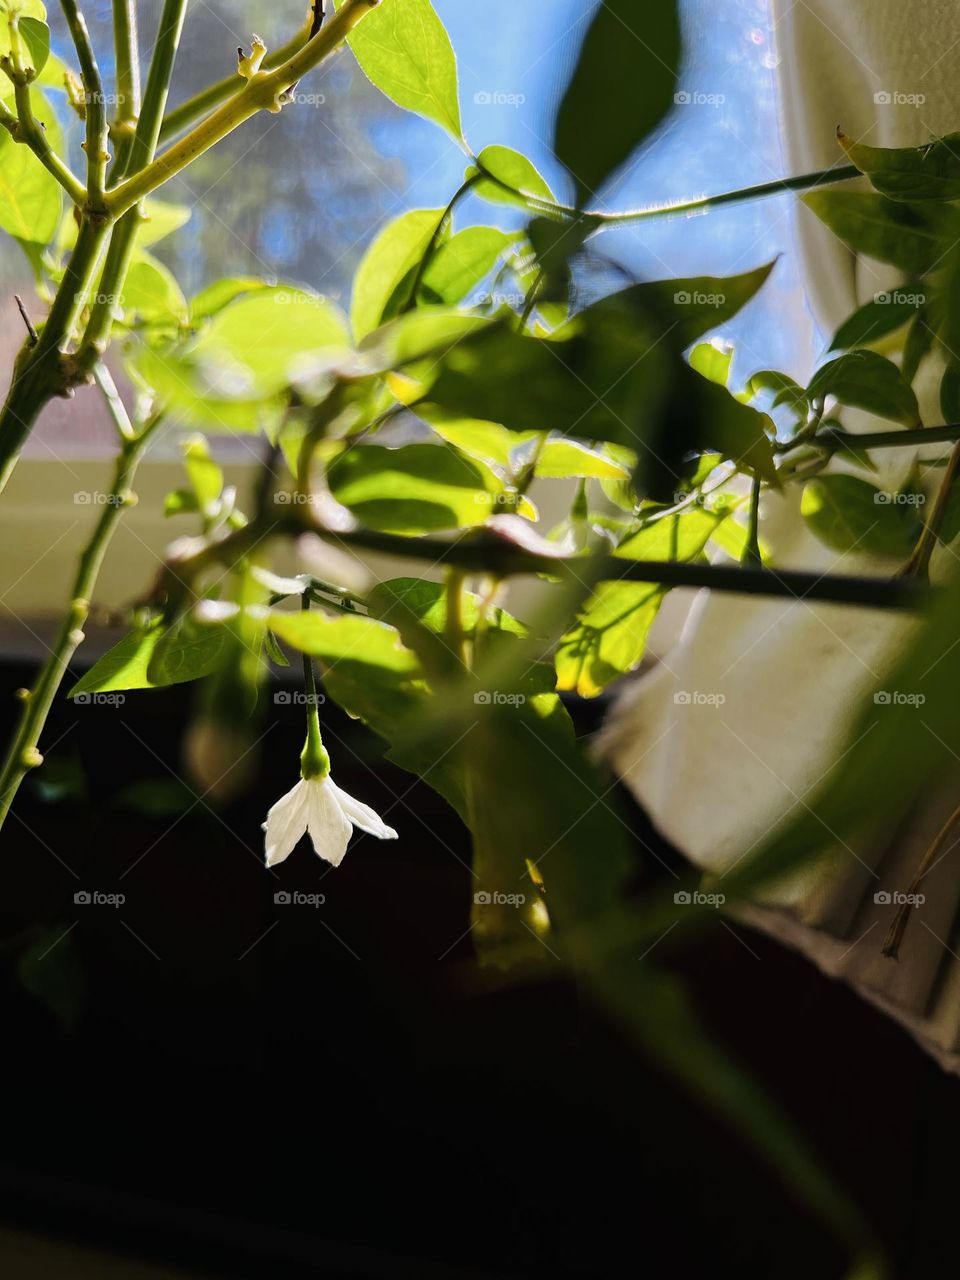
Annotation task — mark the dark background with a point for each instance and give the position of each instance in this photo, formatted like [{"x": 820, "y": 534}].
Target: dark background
[{"x": 258, "y": 1089}]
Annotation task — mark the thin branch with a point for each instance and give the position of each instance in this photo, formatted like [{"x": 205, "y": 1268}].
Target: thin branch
[
  {"x": 31, "y": 331},
  {"x": 485, "y": 552},
  {"x": 95, "y": 102},
  {"x": 264, "y": 91},
  {"x": 127, "y": 51}
]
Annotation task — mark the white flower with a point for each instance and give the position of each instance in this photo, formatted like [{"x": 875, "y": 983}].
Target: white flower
[{"x": 329, "y": 814}]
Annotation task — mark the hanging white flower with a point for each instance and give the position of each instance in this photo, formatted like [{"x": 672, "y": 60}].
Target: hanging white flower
[{"x": 320, "y": 807}]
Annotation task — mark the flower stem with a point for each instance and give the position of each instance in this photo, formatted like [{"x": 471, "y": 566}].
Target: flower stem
[
  {"x": 314, "y": 761},
  {"x": 23, "y": 754}
]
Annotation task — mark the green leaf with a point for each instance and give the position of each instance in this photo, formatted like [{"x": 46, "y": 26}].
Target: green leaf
[
  {"x": 416, "y": 488},
  {"x": 427, "y": 601},
  {"x": 403, "y": 48},
  {"x": 29, "y": 195},
  {"x": 610, "y": 634},
  {"x": 848, "y": 514},
  {"x": 190, "y": 652},
  {"x": 510, "y": 172},
  {"x": 221, "y": 293},
  {"x": 50, "y": 970},
  {"x": 560, "y": 459},
  {"x": 484, "y": 440},
  {"x": 911, "y": 237},
  {"x": 930, "y": 172},
  {"x": 385, "y": 275},
  {"x": 161, "y": 218},
  {"x": 35, "y": 35},
  {"x": 151, "y": 294},
  {"x": 180, "y": 502},
  {"x": 868, "y": 381},
  {"x": 950, "y": 393},
  {"x": 209, "y": 394},
  {"x": 622, "y": 87},
  {"x": 427, "y": 332},
  {"x": 876, "y": 319},
  {"x": 712, "y": 362},
  {"x": 26, "y": 9},
  {"x": 919, "y": 342},
  {"x": 695, "y": 306},
  {"x": 205, "y": 476},
  {"x": 263, "y": 335},
  {"x": 462, "y": 262}
]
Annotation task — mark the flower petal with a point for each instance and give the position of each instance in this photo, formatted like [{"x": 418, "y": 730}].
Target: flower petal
[
  {"x": 361, "y": 815},
  {"x": 286, "y": 823},
  {"x": 329, "y": 829}
]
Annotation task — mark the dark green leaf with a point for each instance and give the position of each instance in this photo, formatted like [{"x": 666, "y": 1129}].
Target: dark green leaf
[
  {"x": 930, "y": 172},
  {"x": 875, "y": 319},
  {"x": 911, "y": 237},
  {"x": 848, "y": 514},
  {"x": 868, "y": 381},
  {"x": 622, "y": 87}
]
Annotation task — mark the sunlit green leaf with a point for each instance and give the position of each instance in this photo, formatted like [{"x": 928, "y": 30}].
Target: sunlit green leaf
[
  {"x": 190, "y": 652},
  {"x": 218, "y": 295},
  {"x": 848, "y": 514},
  {"x": 35, "y": 35},
  {"x": 404, "y": 49},
  {"x": 150, "y": 292},
  {"x": 385, "y": 275},
  {"x": 415, "y": 488},
  {"x": 462, "y": 262},
  {"x": 513, "y": 173},
  {"x": 30, "y": 197}
]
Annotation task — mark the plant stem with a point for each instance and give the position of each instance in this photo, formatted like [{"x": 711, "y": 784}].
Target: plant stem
[
  {"x": 180, "y": 117},
  {"x": 142, "y": 149},
  {"x": 802, "y": 182},
  {"x": 127, "y": 46},
  {"x": 314, "y": 761},
  {"x": 751, "y": 552},
  {"x": 39, "y": 372},
  {"x": 263, "y": 91},
  {"x": 488, "y": 553},
  {"x": 23, "y": 754},
  {"x": 95, "y": 102},
  {"x": 918, "y": 565}
]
